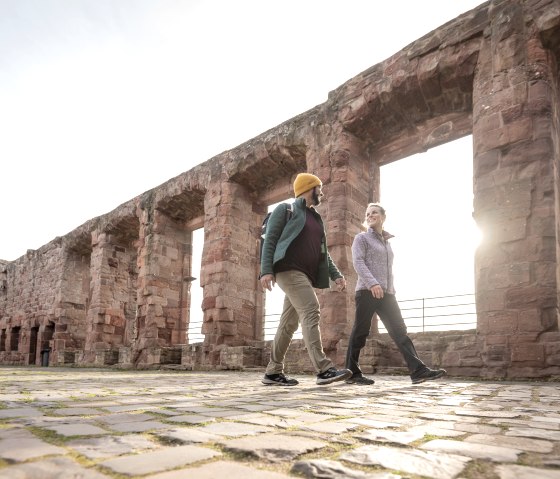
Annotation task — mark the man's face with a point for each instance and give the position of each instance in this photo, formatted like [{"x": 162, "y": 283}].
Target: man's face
[{"x": 317, "y": 195}]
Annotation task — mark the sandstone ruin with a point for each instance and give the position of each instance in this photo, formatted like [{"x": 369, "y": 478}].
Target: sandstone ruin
[{"x": 116, "y": 290}]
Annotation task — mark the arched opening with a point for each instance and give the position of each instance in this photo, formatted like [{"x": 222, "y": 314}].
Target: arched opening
[{"x": 429, "y": 201}]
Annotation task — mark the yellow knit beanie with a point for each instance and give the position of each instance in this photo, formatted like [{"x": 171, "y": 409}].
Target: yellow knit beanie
[{"x": 304, "y": 182}]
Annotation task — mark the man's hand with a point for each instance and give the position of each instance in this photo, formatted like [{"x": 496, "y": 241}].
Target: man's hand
[
  {"x": 340, "y": 284},
  {"x": 268, "y": 281}
]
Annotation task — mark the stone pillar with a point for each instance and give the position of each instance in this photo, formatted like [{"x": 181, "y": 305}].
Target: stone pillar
[
  {"x": 514, "y": 193},
  {"x": 351, "y": 180},
  {"x": 113, "y": 297},
  {"x": 228, "y": 272},
  {"x": 160, "y": 322}
]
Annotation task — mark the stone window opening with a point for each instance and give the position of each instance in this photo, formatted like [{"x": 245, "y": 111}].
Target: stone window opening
[
  {"x": 435, "y": 236},
  {"x": 2, "y": 340},
  {"x": 194, "y": 291},
  {"x": 14, "y": 338},
  {"x": 48, "y": 334},
  {"x": 34, "y": 334}
]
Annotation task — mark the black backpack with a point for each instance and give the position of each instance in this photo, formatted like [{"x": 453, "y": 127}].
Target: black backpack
[{"x": 265, "y": 224}]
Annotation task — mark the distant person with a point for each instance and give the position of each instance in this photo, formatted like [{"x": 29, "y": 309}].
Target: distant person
[
  {"x": 295, "y": 255},
  {"x": 372, "y": 257}
]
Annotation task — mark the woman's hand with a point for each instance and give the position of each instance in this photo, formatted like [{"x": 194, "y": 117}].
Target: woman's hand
[{"x": 377, "y": 291}]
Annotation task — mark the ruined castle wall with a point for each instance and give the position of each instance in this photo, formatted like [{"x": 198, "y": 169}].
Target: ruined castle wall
[
  {"x": 29, "y": 298},
  {"x": 116, "y": 290}
]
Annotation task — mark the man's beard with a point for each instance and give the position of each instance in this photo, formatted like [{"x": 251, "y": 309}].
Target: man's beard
[{"x": 316, "y": 198}]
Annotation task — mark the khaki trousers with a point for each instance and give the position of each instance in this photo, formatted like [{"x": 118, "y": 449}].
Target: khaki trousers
[{"x": 300, "y": 304}]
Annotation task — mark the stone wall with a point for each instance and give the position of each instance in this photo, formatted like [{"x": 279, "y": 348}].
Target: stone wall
[{"x": 116, "y": 291}]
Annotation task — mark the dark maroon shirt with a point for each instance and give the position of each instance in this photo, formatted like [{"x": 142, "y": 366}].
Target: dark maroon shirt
[{"x": 304, "y": 253}]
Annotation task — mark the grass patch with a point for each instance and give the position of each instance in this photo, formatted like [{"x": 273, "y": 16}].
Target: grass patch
[
  {"x": 50, "y": 436},
  {"x": 477, "y": 469},
  {"x": 529, "y": 459}
]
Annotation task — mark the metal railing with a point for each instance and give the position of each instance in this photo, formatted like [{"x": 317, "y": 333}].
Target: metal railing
[
  {"x": 194, "y": 332},
  {"x": 440, "y": 313}
]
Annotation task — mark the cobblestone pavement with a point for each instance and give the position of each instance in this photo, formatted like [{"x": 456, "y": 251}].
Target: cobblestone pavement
[{"x": 105, "y": 423}]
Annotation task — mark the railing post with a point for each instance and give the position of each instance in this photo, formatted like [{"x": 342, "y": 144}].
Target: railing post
[{"x": 423, "y": 316}]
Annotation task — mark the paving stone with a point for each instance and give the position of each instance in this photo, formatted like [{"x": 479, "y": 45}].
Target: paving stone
[
  {"x": 140, "y": 426},
  {"x": 266, "y": 420},
  {"x": 412, "y": 461},
  {"x": 96, "y": 404},
  {"x": 339, "y": 427},
  {"x": 110, "y": 446},
  {"x": 24, "y": 412},
  {"x": 191, "y": 419},
  {"x": 403, "y": 420},
  {"x": 525, "y": 444},
  {"x": 447, "y": 417},
  {"x": 373, "y": 423},
  {"x": 213, "y": 470},
  {"x": 474, "y": 450},
  {"x": 476, "y": 428},
  {"x": 221, "y": 414},
  {"x": 337, "y": 411},
  {"x": 160, "y": 460},
  {"x": 77, "y": 430},
  {"x": 273, "y": 447},
  {"x": 395, "y": 437},
  {"x": 124, "y": 417},
  {"x": 131, "y": 407},
  {"x": 163, "y": 412},
  {"x": 536, "y": 433},
  {"x": 300, "y": 416},
  {"x": 76, "y": 411},
  {"x": 13, "y": 432},
  {"x": 492, "y": 414},
  {"x": 455, "y": 401},
  {"x": 232, "y": 429},
  {"x": 254, "y": 407},
  {"x": 205, "y": 409},
  {"x": 546, "y": 419},
  {"x": 187, "y": 435},
  {"x": 435, "y": 431},
  {"x": 53, "y": 468},
  {"x": 524, "y": 472},
  {"x": 526, "y": 423},
  {"x": 21, "y": 449},
  {"x": 335, "y": 470}
]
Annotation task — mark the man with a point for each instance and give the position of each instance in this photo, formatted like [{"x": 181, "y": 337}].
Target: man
[{"x": 295, "y": 256}]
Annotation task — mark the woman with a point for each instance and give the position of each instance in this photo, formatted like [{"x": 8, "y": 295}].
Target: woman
[{"x": 372, "y": 257}]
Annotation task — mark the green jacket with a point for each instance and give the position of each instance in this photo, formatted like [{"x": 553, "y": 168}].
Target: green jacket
[{"x": 278, "y": 238}]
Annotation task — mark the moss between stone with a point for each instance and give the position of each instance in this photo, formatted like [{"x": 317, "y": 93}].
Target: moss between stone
[{"x": 477, "y": 469}]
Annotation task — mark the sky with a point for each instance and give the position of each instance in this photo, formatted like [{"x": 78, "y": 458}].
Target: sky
[{"x": 101, "y": 100}]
